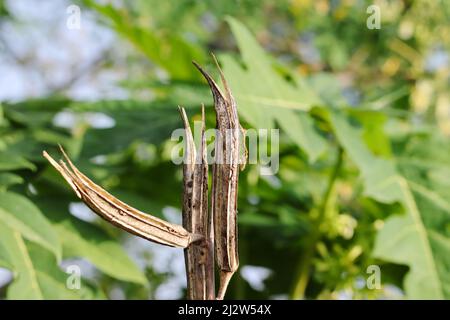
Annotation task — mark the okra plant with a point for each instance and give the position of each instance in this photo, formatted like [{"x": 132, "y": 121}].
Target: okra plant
[{"x": 202, "y": 229}]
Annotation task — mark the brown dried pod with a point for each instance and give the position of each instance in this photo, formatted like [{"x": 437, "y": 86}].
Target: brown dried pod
[
  {"x": 119, "y": 213},
  {"x": 196, "y": 219},
  {"x": 226, "y": 166}
]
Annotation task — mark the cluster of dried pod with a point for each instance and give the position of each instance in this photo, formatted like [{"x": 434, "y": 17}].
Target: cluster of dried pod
[{"x": 204, "y": 234}]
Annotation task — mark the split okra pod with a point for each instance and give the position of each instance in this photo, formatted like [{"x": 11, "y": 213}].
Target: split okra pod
[{"x": 227, "y": 159}]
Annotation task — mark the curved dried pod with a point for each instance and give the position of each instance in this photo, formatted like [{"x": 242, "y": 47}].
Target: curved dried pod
[{"x": 119, "y": 213}]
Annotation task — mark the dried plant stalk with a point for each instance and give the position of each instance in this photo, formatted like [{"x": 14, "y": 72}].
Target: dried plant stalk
[
  {"x": 225, "y": 180},
  {"x": 119, "y": 213},
  {"x": 199, "y": 256}
]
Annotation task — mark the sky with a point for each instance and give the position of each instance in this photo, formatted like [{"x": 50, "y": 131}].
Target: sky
[{"x": 39, "y": 53}]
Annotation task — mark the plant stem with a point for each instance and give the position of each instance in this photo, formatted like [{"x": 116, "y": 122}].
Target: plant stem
[{"x": 304, "y": 265}]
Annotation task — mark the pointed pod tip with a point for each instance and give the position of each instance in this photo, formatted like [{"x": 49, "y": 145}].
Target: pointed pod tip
[
  {"x": 222, "y": 78},
  {"x": 202, "y": 71},
  {"x": 213, "y": 56},
  {"x": 49, "y": 158},
  {"x": 215, "y": 59},
  {"x": 197, "y": 65},
  {"x": 212, "y": 84},
  {"x": 183, "y": 116},
  {"x": 67, "y": 158},
  {"x": 63, "y": 152}
]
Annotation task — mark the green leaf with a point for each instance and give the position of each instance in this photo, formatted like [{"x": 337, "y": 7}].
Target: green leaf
[
  {"x": 8, "y": 179},
  {"x": 265, "y": 96},
  {"x": 23, "y": 217},
  {"x": 409, "y": 238},
  {"x": 374, "y": 135},
  {"x": 168, "y": 50},
  {"x": 131, "y": 125},
  {"x": 405, "y": 239},
  {"x": 380, "y": 177},
  {"x": 11, "y": 161},
  {"x": 36, "y": 274},
  {"x": 81, "y": 239}
]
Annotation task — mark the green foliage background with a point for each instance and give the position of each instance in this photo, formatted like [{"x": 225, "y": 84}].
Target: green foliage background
[{"x": 364, "y": 173}]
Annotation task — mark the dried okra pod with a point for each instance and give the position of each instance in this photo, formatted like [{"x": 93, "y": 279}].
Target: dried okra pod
[
  {"x": 227, "y": 159},
  {"x": 199, "y": 256}
]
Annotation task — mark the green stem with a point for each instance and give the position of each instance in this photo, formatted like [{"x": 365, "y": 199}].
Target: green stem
[{"x": 304, "y": 265}]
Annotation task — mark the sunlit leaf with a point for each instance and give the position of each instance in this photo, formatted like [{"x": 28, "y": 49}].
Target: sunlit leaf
[
  {"x": 406, "y": 238},
  {"x": 81, "y": 239},
  {"x": 23, "y": 217},
  {"x": 36, "y": 274},
  {"x": 265, "y": 97}
]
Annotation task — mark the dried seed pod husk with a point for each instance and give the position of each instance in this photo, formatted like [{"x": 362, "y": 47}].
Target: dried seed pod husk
[
  {"x": 119, "y": 213},
  {"x": 199, "y": 256},
  {"x": 225, "y": 180}
]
